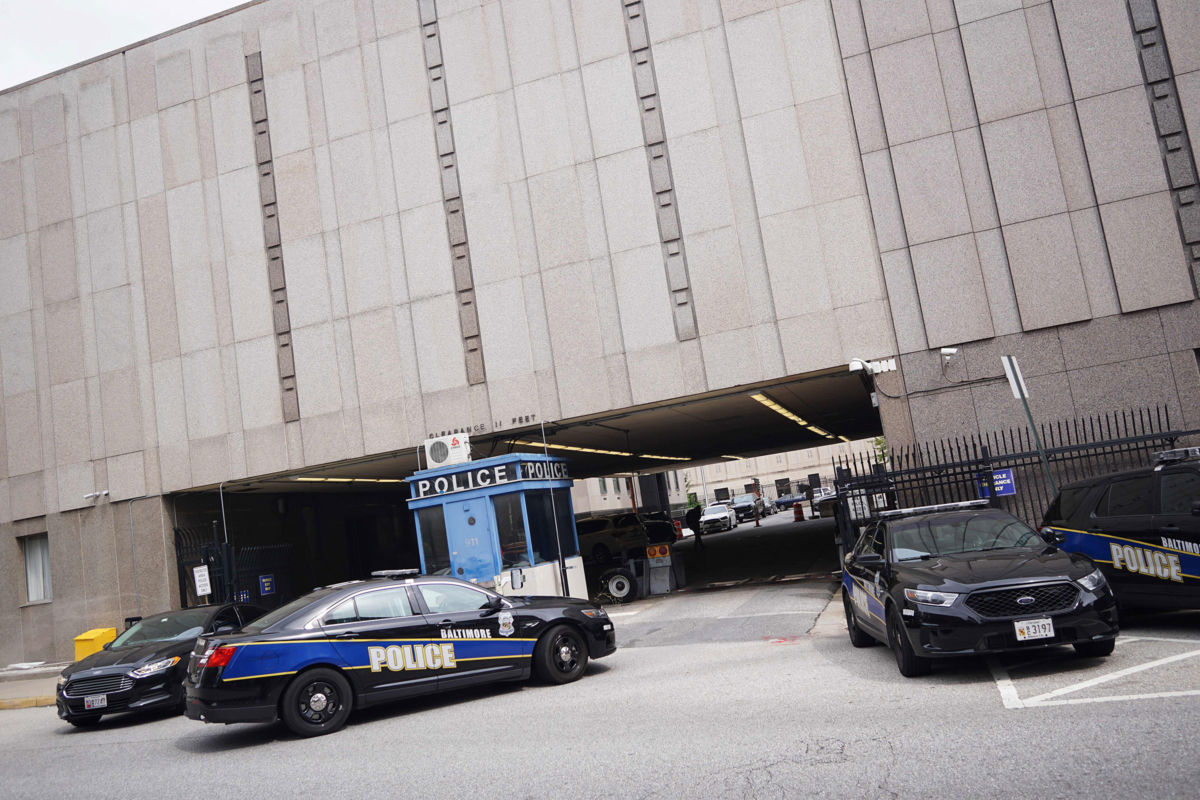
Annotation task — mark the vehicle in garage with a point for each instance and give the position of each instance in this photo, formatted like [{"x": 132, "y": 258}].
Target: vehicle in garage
[
  {"x": 718, "y": 517},
  {"x": 748, "y": 506},
  {"x": 143, "y": 668},
  {"x": 962, "y": 579},
  {"x": 351, "y": 645},
  {"x": 1141, "y": 526},
  {"x": 605, "y": 538}
]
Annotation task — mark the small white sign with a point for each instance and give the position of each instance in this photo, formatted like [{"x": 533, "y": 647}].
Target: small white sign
[{"x": 203, "y": 587}]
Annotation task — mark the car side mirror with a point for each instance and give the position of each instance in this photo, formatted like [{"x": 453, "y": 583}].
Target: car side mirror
[
  {"x": 868, "y": 561},
  {"x": 1053, "y": 537},
  {"x": 516, "y": 578},
  {"x": 225, "y": 629},
  {"x": 494, "y": 603},
  {"x": 106, "y": 645}
]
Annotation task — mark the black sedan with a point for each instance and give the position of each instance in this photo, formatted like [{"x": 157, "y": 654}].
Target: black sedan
[
  {"x": 356, "y": 644},
  {"x": 143, "y": 668},
  {"x": 966, "y": 579}
]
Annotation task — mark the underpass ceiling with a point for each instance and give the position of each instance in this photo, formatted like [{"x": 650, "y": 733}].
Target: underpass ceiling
[{"x": 659, "y": 437}]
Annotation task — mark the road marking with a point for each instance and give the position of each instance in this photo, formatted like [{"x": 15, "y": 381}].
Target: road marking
[
  {"x": 768, "y": 614},
  {"x": 1112, "y": 676},
  {"x": 624, "y": 613},
  {"x": 1012, "y": 698}
]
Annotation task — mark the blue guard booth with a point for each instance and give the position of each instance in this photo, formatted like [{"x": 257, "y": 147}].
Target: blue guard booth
[{"x": 504, "y": 522}]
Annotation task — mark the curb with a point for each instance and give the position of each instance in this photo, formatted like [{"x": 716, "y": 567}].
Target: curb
[{"x": 27, "y": 702}]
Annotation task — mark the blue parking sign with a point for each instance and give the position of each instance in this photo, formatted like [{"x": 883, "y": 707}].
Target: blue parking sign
[
  {"x": 266, "y": 585},
  {"x": 1002, "y": 479}
]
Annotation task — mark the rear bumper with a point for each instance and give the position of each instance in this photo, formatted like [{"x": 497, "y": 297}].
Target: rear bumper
[{"x": 254, "y": 703}]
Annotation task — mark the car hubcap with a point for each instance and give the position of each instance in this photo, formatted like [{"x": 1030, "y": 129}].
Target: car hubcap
[
  {"x": 319, "y": 704},
  {"x": 567, "y": 654}
]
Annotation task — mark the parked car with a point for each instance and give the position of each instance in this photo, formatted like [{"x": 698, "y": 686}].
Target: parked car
[
  {"x": 748, "y": 506},
  {"x": 1141, "y": 526},
  {"x": 143, "y": 668},
  {"x": 718, "y": 517},
  {"x": 604, "y": 538},
  {"x": 788, "y": 500},
  {"x": 963, "y": 579},
  {"x": 356, "y": 644}
]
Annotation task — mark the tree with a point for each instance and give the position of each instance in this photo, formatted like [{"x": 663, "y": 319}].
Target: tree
[{"x": 881, "y": 449}]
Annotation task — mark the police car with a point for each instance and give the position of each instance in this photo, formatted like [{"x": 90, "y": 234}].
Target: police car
[
  {"x": 356, "y": 644},
  {"x": 963, "y": 579},
  {"x": 1141, "y": 526}
]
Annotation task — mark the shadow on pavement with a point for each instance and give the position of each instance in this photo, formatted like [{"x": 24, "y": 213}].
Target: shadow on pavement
[{"x": 779, "y": 548}]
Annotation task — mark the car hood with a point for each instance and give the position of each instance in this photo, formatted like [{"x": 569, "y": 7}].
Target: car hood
[
  {"x": 1017, "y": 565},
  {"x": 548, "y": 601},
  {"x": 122, "y": 659}
]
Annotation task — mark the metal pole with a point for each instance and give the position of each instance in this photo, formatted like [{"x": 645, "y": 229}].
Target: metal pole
[{"x": 1018, "y": 386}]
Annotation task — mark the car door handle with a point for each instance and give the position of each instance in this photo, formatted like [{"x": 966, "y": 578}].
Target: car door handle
[
  {"x": 346, "y": 636},
  {"x": 1169, "y": 529}
]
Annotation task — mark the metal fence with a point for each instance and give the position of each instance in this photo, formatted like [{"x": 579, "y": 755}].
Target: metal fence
[
  {"x": 259, "y": 574},
  {"x": 1003, "y": 466}
]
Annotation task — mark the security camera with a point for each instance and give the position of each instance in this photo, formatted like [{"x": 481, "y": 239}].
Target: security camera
[{"x": 948, "y": 351}]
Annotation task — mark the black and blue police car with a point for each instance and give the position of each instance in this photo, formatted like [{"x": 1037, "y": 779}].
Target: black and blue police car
[
  {"x": 963, "y": 579},
  {"x": 396, "y": 635}
]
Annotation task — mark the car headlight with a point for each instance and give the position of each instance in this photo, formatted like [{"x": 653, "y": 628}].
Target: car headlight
[
  {"x": 62, "y": 681},
  {"x": 154, "y": 666},
  {"x": 925, "y": 598},
  {"x": 594, "y": 613},
  {"x": 1092, "y": 581}
]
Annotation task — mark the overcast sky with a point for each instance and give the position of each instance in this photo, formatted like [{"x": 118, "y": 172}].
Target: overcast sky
[{"x": 42, "y": 36}]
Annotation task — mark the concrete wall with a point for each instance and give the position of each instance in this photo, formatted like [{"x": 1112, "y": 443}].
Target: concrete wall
[{"x": 1032, "y": 193}]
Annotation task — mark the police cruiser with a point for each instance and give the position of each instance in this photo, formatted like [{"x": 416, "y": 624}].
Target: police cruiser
[
  {"x": 1141, "y": 526},
  {"x": 398, "y": 635},
  {"x": 963, "y": 578}
]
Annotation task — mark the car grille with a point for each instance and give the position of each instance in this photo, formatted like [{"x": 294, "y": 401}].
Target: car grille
[
  {"x": 102, "y": 685},
  {"x": 1003, "y": 602}
]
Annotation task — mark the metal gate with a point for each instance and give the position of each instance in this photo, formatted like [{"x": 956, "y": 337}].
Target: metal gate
[
  {"x": 259, "y": 574},
  {"x": 1002, "y": 466}
]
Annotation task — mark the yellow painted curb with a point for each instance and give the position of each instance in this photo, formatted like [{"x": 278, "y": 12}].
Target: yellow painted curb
[{"x": 27, "y": 702}]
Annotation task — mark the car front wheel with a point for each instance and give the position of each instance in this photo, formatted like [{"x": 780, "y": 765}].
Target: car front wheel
[
  {"x": 560, "y": 656},
  {"x": 907, "y": 661},
  {"x": 316, "y": 702}
]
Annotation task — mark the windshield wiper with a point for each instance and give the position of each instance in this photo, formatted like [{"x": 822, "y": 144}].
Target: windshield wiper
[{"x": 924, "y": 557}]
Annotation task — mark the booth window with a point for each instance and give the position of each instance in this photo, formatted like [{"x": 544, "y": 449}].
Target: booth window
[
  {"x": 542, "y": 517},
  {"x": 434, "y": 548},
  {"x": 510, "y": 529},
  {"x": 36, "y": 550}
]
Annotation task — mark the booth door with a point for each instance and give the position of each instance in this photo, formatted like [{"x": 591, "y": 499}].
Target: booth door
[{"x": 472, "y": 541}]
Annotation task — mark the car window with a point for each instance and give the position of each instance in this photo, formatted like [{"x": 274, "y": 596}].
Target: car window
[
  {"x": 447, "y": 598},
  {"x": 177, "y": 625},
  {"x": 227, "y": 618},
  {"x": 250, "y": 613},
  {"x": 1067, "y": 503},
  {"x": 383, "y": 604},
  {"x": 1178, "y": 491},
  {"x": 285, "y": 611},
  {"x": 342, "y": 612},
  {"x": 875, "y": 544},
  {"x": 1126, "y": 498},
  {"x": 935, "y": 535}
]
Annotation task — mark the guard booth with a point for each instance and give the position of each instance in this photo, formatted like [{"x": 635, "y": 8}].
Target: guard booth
[{"x": 504, "y": 522}]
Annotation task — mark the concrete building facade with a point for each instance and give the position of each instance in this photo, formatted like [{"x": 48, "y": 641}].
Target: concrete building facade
[{"x": 302, "y": 233}]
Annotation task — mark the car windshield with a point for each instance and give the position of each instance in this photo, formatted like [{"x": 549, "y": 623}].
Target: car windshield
[
  {"x": 717, "y": 509},
  {"x": 947, "y": 534},
  {"x": 744, "y": 498},
  {"x": 285, "y": 611},
  {"x": 174, "y": 626}
]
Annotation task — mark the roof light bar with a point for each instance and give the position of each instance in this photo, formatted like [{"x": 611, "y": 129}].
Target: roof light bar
[{"x": 897, "y": 512}]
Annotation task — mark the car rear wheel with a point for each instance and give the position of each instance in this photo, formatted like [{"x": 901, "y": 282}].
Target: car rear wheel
[
  {"x": 858, "y": 637},
  {"x": 316, "y": 702},
  {"x": 1095, "y": 649},
  {"x": 908, "y": 662},
  {"x": 619, "y": 584},
  {"x": 560, "y": 656},
  {"x": 84, "y": 722}
]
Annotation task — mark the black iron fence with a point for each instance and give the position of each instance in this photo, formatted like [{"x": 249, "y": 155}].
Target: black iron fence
[
  {"x": 1002, "y": 466},
  {"x": 259, "y": 574}
]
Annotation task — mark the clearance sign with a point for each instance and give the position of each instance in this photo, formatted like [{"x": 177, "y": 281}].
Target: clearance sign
[{"x": 489, "y": 476}]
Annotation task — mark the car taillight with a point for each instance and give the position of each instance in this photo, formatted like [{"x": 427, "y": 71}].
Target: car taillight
[{"x": 220, "y": 657}]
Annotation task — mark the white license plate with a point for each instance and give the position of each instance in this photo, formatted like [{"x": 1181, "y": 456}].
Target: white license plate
[
  {"x": 95, "y": 701},
  {"x": 1034, "y": 629}
]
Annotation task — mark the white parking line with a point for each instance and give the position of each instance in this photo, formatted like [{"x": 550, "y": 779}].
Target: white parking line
[
  {"x": 1012, "y": 698},
  {"x": 624, "y": 613}
]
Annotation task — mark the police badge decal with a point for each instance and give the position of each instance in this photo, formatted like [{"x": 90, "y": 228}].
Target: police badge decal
[{"x": 506, "y": 623}]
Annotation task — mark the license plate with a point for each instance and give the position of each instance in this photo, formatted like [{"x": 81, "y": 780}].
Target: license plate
[
  {"x": 1034, "y": 629},
  {"x": 95, "y": 701}
]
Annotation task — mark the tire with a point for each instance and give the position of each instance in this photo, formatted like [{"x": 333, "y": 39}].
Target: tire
[
  {"x": 908, "y": 662},
  {"x": 84, "y": 722},
  {"x": 316, "y": 702},
  {"x": 858, "y": 637},
  {"x": 619, "y": 584},
  {"x": 1095, "y": 649},
  {"x": 560, "y": 656}
]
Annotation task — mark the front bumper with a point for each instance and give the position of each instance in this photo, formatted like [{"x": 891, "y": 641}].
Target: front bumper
[
  {"x": 956, "y": 631},
  {"x": 145, "y": 695},
  {"x": 601, "y": 639}
]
